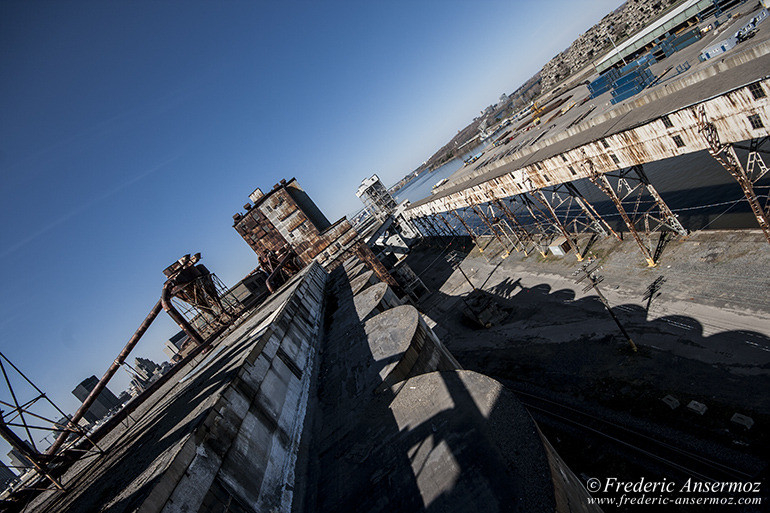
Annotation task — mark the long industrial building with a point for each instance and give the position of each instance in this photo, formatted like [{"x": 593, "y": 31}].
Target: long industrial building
[{"x": 710, "y": 106}]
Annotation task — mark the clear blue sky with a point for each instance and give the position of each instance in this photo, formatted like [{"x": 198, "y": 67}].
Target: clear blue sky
[{"x": 130, "y": 132}]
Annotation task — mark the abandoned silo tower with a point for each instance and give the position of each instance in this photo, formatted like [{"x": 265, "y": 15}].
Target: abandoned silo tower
[
  {"x": 287, "y": 230},
  {"x": 376, "y": 198}
]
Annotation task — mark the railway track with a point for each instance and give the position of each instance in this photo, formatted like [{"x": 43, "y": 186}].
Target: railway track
[{"x": 687, "y": 462}]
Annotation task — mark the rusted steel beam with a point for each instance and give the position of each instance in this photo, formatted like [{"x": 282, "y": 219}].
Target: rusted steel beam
[
  {"x": 449, "y": 226},
  {"x": 38, "y": 460},
  {"x": 557, "y": 222},
  {"x": 519, "y": 231},
  {"x": 132, "y": 405},
  {"x": 431, "y": 227},
  {"x": 531, "y": 207},
  {"x": 440, "y": 230},
  {"x": 100, "y": 386},
  {"x": 366, "y": 255},
  {"x": 480, "y": 212},
  {"x": 669, "y": 218},
  {"x": 598, "y": 221},
  {"x": 165, "y": 299},
  {"x": 603, "y": 184},
  {"x": 725, "y": 155},
  {"x": 420, "y": 226},
  {"x": 274, "y": 275},
  {"x": 467, "y": 228}
]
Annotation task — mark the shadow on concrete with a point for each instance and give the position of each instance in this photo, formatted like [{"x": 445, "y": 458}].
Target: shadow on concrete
[
  {"x": 445, "y": 461},
  {"x": 571, "y": 350},
  {"x": 552, "y": 340},
  {"x": 172, "y": 417}
]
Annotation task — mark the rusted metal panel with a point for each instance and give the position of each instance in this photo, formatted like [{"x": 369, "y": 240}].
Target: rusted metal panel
[
  {"x": 276, "y": 223},
  {"x": 652, "y": 141}
]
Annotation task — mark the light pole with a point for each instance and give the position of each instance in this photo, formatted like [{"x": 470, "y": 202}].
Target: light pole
[{"x": 607, "y": 33}]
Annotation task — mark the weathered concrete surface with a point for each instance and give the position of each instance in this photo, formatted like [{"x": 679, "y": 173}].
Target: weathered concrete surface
[
  {"x": 471, "y": 444},
  {"x": 363, "y": 281},
  {"x": 443, "y": 441},
  {"x": 402, "y": 345},
  {"x": 250, "y": 440},
  {"x": 230, "y": 422},
  {"x": 374, "y": 300}
]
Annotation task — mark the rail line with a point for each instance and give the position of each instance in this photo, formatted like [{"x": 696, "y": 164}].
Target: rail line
[{"x": 689, "y": 463}]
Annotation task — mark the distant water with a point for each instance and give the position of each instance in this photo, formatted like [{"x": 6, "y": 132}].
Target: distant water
[
  {"x": 695, "y": 186},
  {"x": 421, "y": 186}
]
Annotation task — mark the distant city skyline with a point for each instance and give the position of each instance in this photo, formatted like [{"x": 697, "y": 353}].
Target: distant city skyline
[{"x": 132, "y": 132}]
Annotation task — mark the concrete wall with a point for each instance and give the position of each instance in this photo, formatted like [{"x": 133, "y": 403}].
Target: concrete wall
[{"x": 245, "y": 451}]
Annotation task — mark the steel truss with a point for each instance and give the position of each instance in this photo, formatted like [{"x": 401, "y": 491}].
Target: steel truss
[
  {"x": 419, "y": 222},
  {"x": 21, "y": 416},
  {"x": 746, "y": 178},
  {"x": 536, "y": 234},
  {"x": 545, "y": 230},
  {"x": 627, "y": 194},
  {"x": 447, "y": 224},
  {"x": 434, "y": 228},
  {"x": 471, "y": 233},
  {"x": 209, "y": 307},
  {"x": 579, "y": 215},
  {"x": 491, "y": 226},
  {"x": 523, "y": 238}
]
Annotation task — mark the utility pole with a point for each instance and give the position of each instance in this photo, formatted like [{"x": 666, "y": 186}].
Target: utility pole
[
  {"x": 588, "y": 271},
  {"x": 455, "y": 259}
]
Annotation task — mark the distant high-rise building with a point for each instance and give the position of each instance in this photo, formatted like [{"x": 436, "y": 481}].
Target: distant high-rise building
[
  {"x": 7, "y": 476},
  {"x": 103, "y": 404},
  {"x": 147, "y": 371},
  {"x": 18, "y": 460},
  {"x": 175, "y": 345}
]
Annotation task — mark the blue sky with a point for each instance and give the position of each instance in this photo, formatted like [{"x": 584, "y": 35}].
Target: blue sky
[{"x": 132, "y": 131}]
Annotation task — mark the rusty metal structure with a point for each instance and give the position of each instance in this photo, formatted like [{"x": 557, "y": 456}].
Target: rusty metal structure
[
  {"x": 186, "y": 281},
  {"x": 287, "y": 231},
  {"x": 28, "y": 413},
  {"x": 746, "y": 178},
  {"x": 627, "y": 195},
  {"x": 614, "y": 164},
  {"x": 200, "y": 295},
  {"x": 367, "y": 256}
]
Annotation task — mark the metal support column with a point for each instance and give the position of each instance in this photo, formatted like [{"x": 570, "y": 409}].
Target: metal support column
[
  {"x": 367, "y": 256},
  {"x": 600, "y": 225},
  {"x": 37, "y": 459},
  {"x": 467, "y": 228},
  {"x": 426, "y": 227},
  {"x": 602, "y": 183},
  {"x": 531, "y": 207},
  {"x": 669, "y": 218},
  {"x": 519, "y": 231},
  {"x": 449, "y": 226},
  {"x": 479, "y": 212},
  {"x": 436, "y": 228},
  {"x": 725, "y": 155},
  {"x": 559, "y": 224}
]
